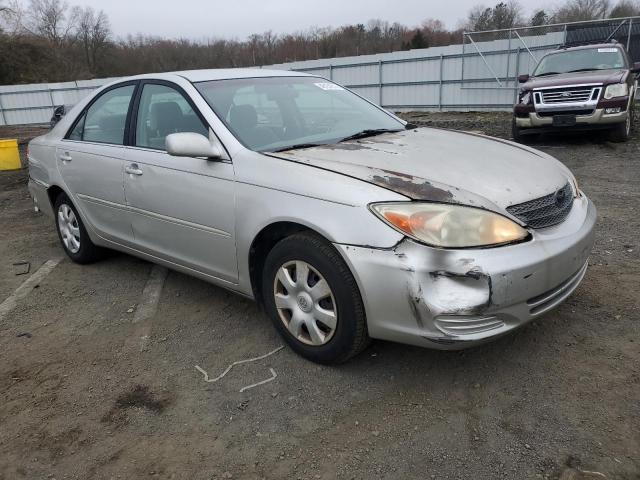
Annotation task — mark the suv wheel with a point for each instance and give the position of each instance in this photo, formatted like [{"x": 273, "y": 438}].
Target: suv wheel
[
  {"x": 72, "y": 233},
  {"x": 313, "y": 300},
  {"x": 516, "y": 131},
  {"x": 622, "y": 131}
]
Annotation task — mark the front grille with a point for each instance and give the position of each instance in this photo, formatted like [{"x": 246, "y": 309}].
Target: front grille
[
  {"x": 570, "y": 95},
  {"x": 545, "y": 211}
]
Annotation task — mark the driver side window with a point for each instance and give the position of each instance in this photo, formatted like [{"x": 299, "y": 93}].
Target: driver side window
[{"x": 163, "y": 111}]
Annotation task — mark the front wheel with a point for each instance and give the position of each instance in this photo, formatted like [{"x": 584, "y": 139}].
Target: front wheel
[
  {"x": 516, "y": 131},
  {"x": 313, "y": 299},
  {"x": 72, "y": 232},
  {"x": 622, "y": 131}
]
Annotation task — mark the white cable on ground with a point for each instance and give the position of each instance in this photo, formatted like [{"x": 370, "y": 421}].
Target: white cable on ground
[
  {"x": 239, "y": 362},
  {"x": 271, "y": 379}
]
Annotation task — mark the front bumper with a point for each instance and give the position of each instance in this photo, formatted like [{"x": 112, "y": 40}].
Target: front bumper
[
  {"x": 451, "y": 299},
  {"x": 598, "y": 119}
]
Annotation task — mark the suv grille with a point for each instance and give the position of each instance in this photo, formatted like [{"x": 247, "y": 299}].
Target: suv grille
[
  {"x": 545, "y": 211},
  {"x": 570, "y": 95}
]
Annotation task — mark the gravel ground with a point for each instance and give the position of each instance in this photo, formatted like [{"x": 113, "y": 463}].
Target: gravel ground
[{"x": 79, "y": 399}]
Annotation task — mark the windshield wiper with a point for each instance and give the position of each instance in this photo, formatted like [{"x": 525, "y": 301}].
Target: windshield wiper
[
  {"x": 297, "y": 146},
  {"x": 586, "y": 70},
  {"x": 370, "y": 132},
  {"x": 547, "y": 73},
  {"x": 361, "y": 134}
]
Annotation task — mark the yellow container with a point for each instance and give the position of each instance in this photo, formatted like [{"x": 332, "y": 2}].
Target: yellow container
[{"x": 9, "y": 155}]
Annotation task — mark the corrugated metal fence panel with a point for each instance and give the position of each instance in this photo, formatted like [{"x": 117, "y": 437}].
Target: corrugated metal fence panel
[{"x": 34, "y": 103}]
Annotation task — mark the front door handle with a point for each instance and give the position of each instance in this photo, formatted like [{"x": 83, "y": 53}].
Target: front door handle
[
  {"x": 65, "y": 157},
  {"x": 133, "y": 169}
]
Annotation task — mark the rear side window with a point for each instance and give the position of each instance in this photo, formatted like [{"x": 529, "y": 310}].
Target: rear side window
[
  {"x": 164, "y": 110},
  {"x": 106, "y": 118}
]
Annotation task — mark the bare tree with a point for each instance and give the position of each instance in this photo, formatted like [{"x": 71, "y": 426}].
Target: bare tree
[
  {"x": 503, "y": 15},
  {"x": 539, "y": 18},
  {"x": 93, "y": 32},
  {"x": 579, "y": 10},
  {"x": 625, "y": 8},
  {"x": 51, "y": 20}
]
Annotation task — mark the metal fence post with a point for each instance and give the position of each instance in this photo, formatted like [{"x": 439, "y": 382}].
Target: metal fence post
[
  {"x": 629, "y": 36},
  {"x": 515, "y": 77},
  {"x": 464, "y": 39},
  {"x": 53, "y": 105},
  {"x": 380, "y": 82},
  {"x": 508, "y": 56},
  {"x": 330, "y": 72},
  {"x": 2, "y": 115},
  {"x": 440, "y": 82}
]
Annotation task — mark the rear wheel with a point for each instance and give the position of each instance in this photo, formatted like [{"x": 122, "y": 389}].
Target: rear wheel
[
  {"x": 72, "y": 233},
  {"x": 313, "y": 300}
]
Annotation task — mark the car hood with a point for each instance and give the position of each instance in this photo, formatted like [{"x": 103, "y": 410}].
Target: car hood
[
  {"x": 442, "y": 166},
  {"x": 564, "y": 79}
]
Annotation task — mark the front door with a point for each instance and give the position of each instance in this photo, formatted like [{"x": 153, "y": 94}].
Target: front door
[
  {"x": 90, "y": 161},
  {"x": 181, "y": 209}
]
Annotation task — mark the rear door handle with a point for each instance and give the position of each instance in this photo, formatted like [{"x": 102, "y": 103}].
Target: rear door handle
[{"x": 133, "y": 169}]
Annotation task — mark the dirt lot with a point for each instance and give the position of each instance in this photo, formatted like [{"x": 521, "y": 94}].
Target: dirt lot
[{"x": 80, "y": 400}]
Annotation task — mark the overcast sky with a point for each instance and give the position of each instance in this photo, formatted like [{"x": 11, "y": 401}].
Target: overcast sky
[{"x": 198, "y": 19}]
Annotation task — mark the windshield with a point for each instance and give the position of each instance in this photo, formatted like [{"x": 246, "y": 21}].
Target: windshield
[
  {"x": 274, "y": 113},
  {"x": 601, "y": 58}
]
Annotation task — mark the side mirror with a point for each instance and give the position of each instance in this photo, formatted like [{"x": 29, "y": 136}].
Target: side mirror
[
  {"x": 59, "y": 111},
  {"x": 636, "y": 67},
  {"x": 523, "y": 78},
  {"x": 188, "y": 144}
]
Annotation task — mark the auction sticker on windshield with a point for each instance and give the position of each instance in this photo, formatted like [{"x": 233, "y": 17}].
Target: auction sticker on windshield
[
  {"x": 328, "y": 86},
  {"x": 607, "y": 50}
]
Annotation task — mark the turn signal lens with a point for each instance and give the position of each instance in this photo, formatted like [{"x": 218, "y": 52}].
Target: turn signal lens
[{"x": 449, "y": 226}]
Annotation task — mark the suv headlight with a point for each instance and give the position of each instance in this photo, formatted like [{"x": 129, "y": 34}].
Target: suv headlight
[
  {"x": 525, "y": 97},
  {"x": 616, "y": 90},
  {"x": 449, "y": 226}
]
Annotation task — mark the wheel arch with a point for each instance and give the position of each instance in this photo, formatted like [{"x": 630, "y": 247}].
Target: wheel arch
[
  {"x": 262, "y": 244},
  {"x": 53, "y": 192}
]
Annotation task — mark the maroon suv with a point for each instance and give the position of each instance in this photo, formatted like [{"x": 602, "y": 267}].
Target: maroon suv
[{"x": 586, "y": 87}]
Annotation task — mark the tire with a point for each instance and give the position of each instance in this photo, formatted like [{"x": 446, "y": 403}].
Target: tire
[
  {"x": 622, "y": 132},
  {"x": 516, "y": 131},
  {"x": 299, "y": 311},
  {"x": 72, "y": 233}
]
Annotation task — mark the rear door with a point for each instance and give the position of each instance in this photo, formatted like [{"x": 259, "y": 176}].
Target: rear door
[
  {"x": 90, "y": 161},
  {"x": 181, "y": 209}
]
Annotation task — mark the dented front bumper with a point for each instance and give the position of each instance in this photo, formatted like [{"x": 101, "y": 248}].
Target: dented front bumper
[{"x": 450, "y": 299}]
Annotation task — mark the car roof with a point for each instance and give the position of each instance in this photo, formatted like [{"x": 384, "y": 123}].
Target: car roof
[{"x": 222, "y": 74}]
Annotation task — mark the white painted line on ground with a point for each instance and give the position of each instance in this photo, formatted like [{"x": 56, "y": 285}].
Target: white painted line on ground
[
  {"x": 27, "y": 286},
  {"x": 148, "y": 305}
]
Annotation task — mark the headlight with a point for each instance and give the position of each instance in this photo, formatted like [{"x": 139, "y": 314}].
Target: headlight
[
  {"x": 525, "y": 97},
  {"x": 616, "y": 90},
  {"x": 449, "y": 226},
  {"x": 576, "y": 187}
]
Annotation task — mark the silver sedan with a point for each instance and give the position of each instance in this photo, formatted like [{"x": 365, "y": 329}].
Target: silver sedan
[{"x": 344, "y": 222}]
